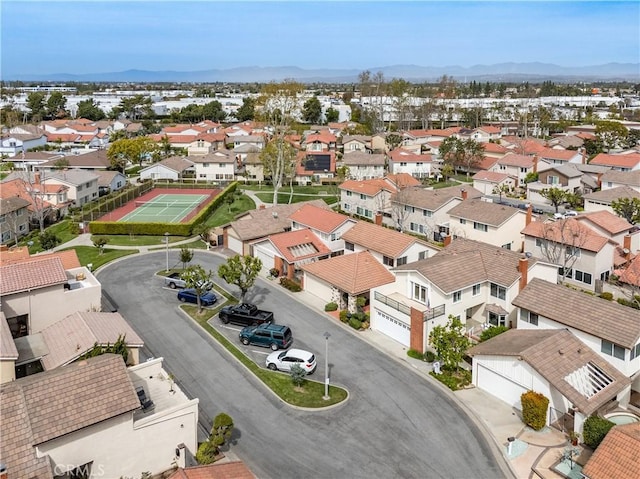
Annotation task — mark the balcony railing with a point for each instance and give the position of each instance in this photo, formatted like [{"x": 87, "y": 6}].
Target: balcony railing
[{"x": 431, "y": 313}]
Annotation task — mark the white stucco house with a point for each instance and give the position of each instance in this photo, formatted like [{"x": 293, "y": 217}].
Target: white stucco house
[{"x": 172, "y": 168}]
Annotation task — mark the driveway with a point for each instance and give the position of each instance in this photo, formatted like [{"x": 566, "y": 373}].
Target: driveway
[{"x": 395, "y": 425}]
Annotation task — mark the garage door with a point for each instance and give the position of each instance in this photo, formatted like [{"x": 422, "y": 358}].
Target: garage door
[
  {"x": 392, "y": 327},
  {"x": 235, "y": 244},
  {"x": 265, "y": 257},
  {"x": 500, "y": 386}
]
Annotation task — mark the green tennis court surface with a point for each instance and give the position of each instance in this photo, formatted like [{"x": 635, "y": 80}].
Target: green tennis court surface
[{"x": 164, "y": 208}]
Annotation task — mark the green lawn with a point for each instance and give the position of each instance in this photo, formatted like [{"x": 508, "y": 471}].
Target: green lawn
[
  {"x": 91, "y": 255},
  {"x": 309, "y": 190},
  {"x": 62, "y": 230},
  {"x": 224, "y": 214},
  {"x": 137, "y": 240},
  {"x": 463, "y": 177},
  {"x": 283, "y": 198},
  {"x": 444, "y": 184},
  {"x": 309, "y": 396}
]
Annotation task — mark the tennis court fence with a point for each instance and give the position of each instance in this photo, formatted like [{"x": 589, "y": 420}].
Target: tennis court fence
[{"x": 167, "y": 204}]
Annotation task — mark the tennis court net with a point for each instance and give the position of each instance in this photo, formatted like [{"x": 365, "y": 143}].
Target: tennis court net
[{"x": 166, "y": 204}]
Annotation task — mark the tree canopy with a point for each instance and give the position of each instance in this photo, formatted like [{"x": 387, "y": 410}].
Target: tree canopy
[
  {"x": 450, "y": 343},
  {"x": 134, "y": 150},
  {"x": 241, "y": 271},
  {"x": 555, "y": 195},
  {"x": 90, "y": 110},
  {"x": 312, "y": 111},
  {"x": 627, "y": 208}
]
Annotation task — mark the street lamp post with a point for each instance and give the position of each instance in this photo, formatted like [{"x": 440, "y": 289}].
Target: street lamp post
[
  {"x": 166, "y": 242},
  {"x": 326, "y": 367}
]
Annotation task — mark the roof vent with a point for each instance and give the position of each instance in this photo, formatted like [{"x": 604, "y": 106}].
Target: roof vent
[
  {"x": 274, "y": 214},
  {"x": 561, "y": 351}
]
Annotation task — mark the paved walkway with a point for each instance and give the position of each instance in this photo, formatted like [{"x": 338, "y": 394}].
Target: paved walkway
[
  {"x": 533, "y": 454},
  {"x": 85, "y": 240}
]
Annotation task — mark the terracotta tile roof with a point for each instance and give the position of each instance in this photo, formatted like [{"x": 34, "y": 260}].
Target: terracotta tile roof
[
  {"x": 630, "y": 160},
  {"x": 212, "y": 137},
  {"x": 466, "y": 262},
  {"x": 353, "y": 273},
  {"x": 557, "y": 154},
  {"x": 383, "y": 240},
  {"x": 490, "y": 176},
  {"x": 557, "y": 355},
  {"x": 400, "y": 155},
  {"x": 402, "y": 180},
  {"x": 12, "y": 255},
  {"x": 359, "y": 158},
  {"x": 69, "y": 257},
  {"x": 606, "y": 220},
  {"x": 76, "y": 334},
  {"x": 489, "y": 129},
  {"x": 631, "y": 274},
  {"x": 630, "y": 178},
  {"x": 513, "y": 159},
  {"x": 617, "y": 455},
  {"x": 31, "y": 274},
  {"x": 611, "y": 194},
  {"x": 433, "y": 200},
  {"x": 480, "y": 211},
  {"x": 228, "y": 470},
  {"x": 367, "y": 187},
  {"x": 486, "y": 162},
  {"x": 307, "y": 155},
  {"x": 325, "y": 137},
  {"x": 264, "y": 222},
  {"x": 19, "y": 187},
  {"x": 63, "y": 137},
  {"x": 287, "y": 242},
  {"x": 8, "y": 348},
  {"x": 569, "y": 231},
  {"x": 70, "y": 398},
  {"x": 320, "y": 219},
  {"x": 575, "y": 309},
  {"x": 494, "y": 148}
]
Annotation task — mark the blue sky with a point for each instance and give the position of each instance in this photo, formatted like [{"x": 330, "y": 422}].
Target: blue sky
[{"x": 107, "y": 36}]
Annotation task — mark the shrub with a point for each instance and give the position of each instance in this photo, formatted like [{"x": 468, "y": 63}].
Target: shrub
[
  {"x": 453, "y": 380},
  {"x": 355, "y": 323},
  {"x": 534, "y": 409},
  {"x": 632, "y": 304},
  {"x": 207, "y": 452},
  {"x": 331, "y": 307},
  {"x": 274, "y": 272},
  {"x": 607, "y": 296},
  {"x": 430, "y": 356},
  {"x": 594, "y": 430},
  {"x": 343, "y": 315},
  {"x": 491, "y": 332},
  {"x": 412, "y": 353},
  {"x": 290, "y": 285}
]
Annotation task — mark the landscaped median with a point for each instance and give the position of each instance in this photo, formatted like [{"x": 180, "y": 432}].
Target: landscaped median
[{"x": 310, "y": 395}]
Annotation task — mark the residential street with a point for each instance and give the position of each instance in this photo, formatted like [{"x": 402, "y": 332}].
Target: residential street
[{"x": 394, "y": 425}]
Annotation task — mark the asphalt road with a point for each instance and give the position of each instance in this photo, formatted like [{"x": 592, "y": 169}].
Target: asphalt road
[{"x": 395, "y": 424}]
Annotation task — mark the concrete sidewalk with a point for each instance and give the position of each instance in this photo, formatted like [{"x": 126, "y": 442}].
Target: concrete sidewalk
[{"x": 85, "y": 240}]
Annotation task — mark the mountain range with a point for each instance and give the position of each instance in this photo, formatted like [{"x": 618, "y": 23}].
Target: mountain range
[{"x": 501, "y": 72}]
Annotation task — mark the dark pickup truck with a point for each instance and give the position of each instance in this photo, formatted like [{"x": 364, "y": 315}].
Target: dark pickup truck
[{"x": 245, "y": 314}]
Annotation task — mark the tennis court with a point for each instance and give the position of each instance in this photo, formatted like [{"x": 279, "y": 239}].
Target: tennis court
[{"x": 164, "y": 208}]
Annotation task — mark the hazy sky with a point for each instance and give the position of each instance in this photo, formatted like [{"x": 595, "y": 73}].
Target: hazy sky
[{"x": 106, "y": 36}]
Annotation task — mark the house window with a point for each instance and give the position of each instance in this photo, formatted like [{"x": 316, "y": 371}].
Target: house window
[
  {"x": 506, "y": 246},
  {"x": 221, "y": 165},
  {"x": 480, "y": 226},
  {"x": 476, "y": 290},
  {"x": 219, "y": 176},
  {"x": 611, "y": 349},
  {"x": 529, "y": 317},
  {"x": 359, "y": 210},
  {"x": 463, "y": 221},
  {"x": 363, "y": 197},
  {"x": 387, "y": 261},
  {"x": 635, "y": 351},
  {"x": 409, "y": 209},
  {"x": 583, "y": 277},
  {"x": 523, "y": 170},
  {"x": 553, "y": 180},
  {"x": 572, "y": 252},
  {"x": 497, "y": 319},
  {"x": 349, "y": 193},
  {"x": 346, "y": 207},
  {"x": 349, "y": 246},
  {"x": 427, "y": 213},
  {"x": 419, "y": 293},
  {"x": 403, "y": 163},
  {"x": 402, "y": 261},
  {"x": 539, "y": 242},
  {"x": 498, "y": 291},
  {"x": 457, "y": 296},
  {"x": 422, "y": 255}
]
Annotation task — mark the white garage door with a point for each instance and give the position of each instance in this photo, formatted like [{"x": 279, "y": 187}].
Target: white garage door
[
  {"x": 264, "y": 256},
  {"x": 392, "y": 327},
  {"x": 499, "y": 386},
  {"x": 234, "y": 245}
]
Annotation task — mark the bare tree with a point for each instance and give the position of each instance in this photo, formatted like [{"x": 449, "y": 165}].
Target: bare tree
[
  {"x": 33, "y": 186},
  {"x": 561, "y": 243}
]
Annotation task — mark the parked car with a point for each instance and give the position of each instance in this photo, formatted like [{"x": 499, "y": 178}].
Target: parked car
[
  {"x": 558, "y": 216},
  {"x": 267, "y": 335},
  {"x": 174, "y": 280},
  {"x": 284, "y": 360},
  {"x": 190, "y": 296},
  {"x": 568, "y": 213},
  {"x": 245, "y": 314}
]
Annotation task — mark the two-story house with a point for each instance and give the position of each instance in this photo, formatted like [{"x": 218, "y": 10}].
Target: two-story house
[
  {"x": 46, "y": 201},
  {"x": 516, "y": 165},
  {"x": 172, "y": 168},
  {"x": 325, "y": 223},
  {"x": 602, "y": 200},
  {"x": 565, "y": 177},
  {"x": 615, "y": 179},
  {"x": 491, "y": 223},
  {"x": 14, "y": 144},
  {"x": 427, "y": 211},
  {"x": 488, "y": 182},
  {"x": 620, "y": 162},
  {"x": 363, "y": 165},
  {"x": 559, "y": 156},
  {"x": 417, "y": 165},
  {"x": 14, "y": 219},
  {"x": 319, "y": 141},
  {"x": 315, "y": 166},
  {"x": 355, "y": 143},
  {"x": 82, "y": 184},
  {"x": 467, "y": 279},
  {"x": 219, "y": 166}
]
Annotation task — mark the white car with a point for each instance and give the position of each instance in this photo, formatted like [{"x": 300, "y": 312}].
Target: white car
[
  {"x": 568, "y": 213},
  {"x": 284, "y": 360}
]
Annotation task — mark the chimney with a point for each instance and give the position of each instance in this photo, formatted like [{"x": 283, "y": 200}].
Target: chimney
[
  {"x": 523, "y": 267},
  {"x": 379, "y": 219},
  {"x": 529, "y": 214},
  {"x": 464, "y": 194},
  {"x": 535, "y": 163},
  {"x": 599, "y": 180},
  {"x": 447, "y": 240},
  {"x": 626, "y": 245},
  {"x": 262, "y": 206}
]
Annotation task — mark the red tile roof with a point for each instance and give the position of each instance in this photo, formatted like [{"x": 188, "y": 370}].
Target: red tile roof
[
  {"x": 630, "y": 160},
  {"x": 383, "y": 240},
  {"x": 326, "y": 221},
  {"x": 352, "y": 273},
  {"x": 606, "y": 220},
  {"x": 617, "y": 456},
  {"x": 227, "y": 470},
  {"x": 367, "y": 187},
  {"x": 513, "y": 159},
  {"x": 287, "y": 242},
  {"x": 31, "y": 274},
  {"x": 569, "y": 231}
]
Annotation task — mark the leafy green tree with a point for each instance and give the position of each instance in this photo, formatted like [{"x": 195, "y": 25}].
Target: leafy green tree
[
  {"x": 197, "y": 278},
  {"x": 627, "y": 208},
  {"x": 241, "y": 271},
  {"x": 461, "y": 153},
  {"x": 90, "y": 110},
  {"x": 186, "y": 255},
  {"x": 100, "y": 242},
  {"x": 393, "y": 140},
  {"x": 612, "y": 134},
  {"x": 213, "y": 111},
  {"x": 247, "y": 110},
  {"x": 312, "y": 110},
  {"x": 447, "y": 171},
  {"x": 134, "y": 150},
  {"x": 531, "y": 177},
  {"x": 297, "y": 375},
  {"x": 119, "y": 347},
  {"x": 555, "y": 195},
  {"x": 332, "y": 115},
  {"x": 575, "y": 200},
  {"x": 222, "y": 429},
  {"x": 61, "y": 164},
  {"x": 36, "y": 103},
  {"x": 492, "y": 332},
  {"x": 48, "y": 240},
  {"x": 450, "y": 343},
  {"x": 136, "y": 107},
  {"x": 207, "y": 452},
  {"x": 500, "y": 190},
  {"x": 56, "y": 106}
]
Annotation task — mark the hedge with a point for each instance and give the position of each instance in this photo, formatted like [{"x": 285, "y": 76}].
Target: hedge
[
  {"x": 594, "y": 430},
  {"x": 534, "y": 409},
  {"x": 159, "y": 229}
]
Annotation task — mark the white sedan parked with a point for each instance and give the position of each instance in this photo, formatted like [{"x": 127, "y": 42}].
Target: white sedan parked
[{"x": 284, "y": 360}]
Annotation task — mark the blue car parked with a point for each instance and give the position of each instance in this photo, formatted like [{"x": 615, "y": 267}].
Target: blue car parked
[{"x": 190, "y": 296}]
